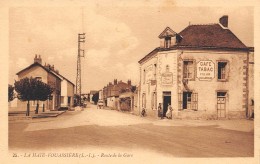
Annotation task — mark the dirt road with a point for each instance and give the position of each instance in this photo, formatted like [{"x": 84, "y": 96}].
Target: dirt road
[{"x": 107, "y": 129}]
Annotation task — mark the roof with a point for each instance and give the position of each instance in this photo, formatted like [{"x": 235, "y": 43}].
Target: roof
[
  {"x": 46, "y": 69},
  {"x": 207, "y": 37},
  {"x": 167, "y": 32},
  {"x": 211, "y": 35},
  {"x": 150, "y": 54},
  {"x": 56, "y": 73},
  {"x": 37, "y": 64}
]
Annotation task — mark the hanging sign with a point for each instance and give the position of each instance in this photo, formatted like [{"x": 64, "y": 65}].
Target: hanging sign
[{"x": 205, "y": 70}]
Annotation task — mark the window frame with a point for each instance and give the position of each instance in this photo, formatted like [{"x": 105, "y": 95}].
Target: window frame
[
  {"x": 193, "y": 67},
  {"x": 167, "y": 42},
  {"x": 226, "y": 71}
]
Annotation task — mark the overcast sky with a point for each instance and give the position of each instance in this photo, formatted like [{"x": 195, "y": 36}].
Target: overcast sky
[{"x": 117, "y": 37}]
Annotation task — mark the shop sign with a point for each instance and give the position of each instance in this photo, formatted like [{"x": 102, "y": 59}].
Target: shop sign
[
  {"x": 167, "y": 78},
  {"x": 205, "y": 70}
]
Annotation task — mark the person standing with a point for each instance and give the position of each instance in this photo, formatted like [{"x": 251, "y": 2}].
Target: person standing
[
  {"x": 160, "y": 114},
  {"x": 169, "y": 112}
]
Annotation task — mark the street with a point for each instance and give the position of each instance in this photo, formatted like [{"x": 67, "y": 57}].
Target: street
[{"x": 108, "y": 129}]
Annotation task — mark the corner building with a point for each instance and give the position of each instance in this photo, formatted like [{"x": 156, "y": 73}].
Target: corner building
[{"x": 201, "y": 71}]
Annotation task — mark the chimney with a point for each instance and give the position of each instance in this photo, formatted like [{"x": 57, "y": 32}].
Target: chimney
[
  {"x": 224, "y": 21},
  {"x": 37, "y": 59},
  {"x": 115, "y": 81},
  {"x": 129, "y": 82},
  {"x": 52, "y": 67}
]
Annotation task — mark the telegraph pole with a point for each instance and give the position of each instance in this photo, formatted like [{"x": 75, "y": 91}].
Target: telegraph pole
[{"x": 81, "y": 53}]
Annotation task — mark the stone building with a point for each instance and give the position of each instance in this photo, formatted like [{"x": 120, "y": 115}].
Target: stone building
[
  {"x": 111, "y": 92},
  {"x": 202, "y": 71}
]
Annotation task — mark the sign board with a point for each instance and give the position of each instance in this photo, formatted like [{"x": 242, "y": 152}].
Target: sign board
[
  {"x": 167, "y": 78},
  {"x": 205, "y": 70}
]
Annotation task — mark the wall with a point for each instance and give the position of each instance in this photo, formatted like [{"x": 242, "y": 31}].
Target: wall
[
  {"x": 251, "y": 84},
  {"x": 161, "y": 76},
  {"x": 54, "y": 82},
  {"x": 206, "y": 90},
  {"x": 235, "y": 85}
]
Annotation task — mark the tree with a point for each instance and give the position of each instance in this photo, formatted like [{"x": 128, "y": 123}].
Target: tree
[
  {"x": 32, "y": 89},
  {"x": 95, "y": 97},
  {"x": 43, "y": 92},
  {"x": 11, "y": 94},
  {"x": 24, "y": 92}
]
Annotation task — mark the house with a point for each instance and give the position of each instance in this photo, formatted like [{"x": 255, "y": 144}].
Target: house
[
  {"x": 111, "y": 92},
  {"x": 91, "y": 94},
  {"x": 202, "y": 71},
  {"x": 63, "y": 88},
  {"x": 67, "y": 88}
]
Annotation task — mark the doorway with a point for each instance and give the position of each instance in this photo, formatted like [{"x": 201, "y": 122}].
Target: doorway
[
  {"x": 187, "y": 100},
  {"x": 221, "y": 104},
  {"x": 166, "y": 101}
]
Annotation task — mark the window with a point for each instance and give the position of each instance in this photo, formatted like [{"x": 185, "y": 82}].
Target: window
[
  {"x": 38, "y": 78},
  {"x": 154, "y": 101},
  {"x": 188, "y": 100},
  {"x": 144, "y": 76},
  {"x": 167, "y": 42},
  {"x": 143, "y": 101},
  {"x": 222, "y": 70},
  {"x": 188, "y": 69},
  {"x": 155, "y": 69}
]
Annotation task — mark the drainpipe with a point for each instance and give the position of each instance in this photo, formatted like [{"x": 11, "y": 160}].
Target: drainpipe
[
  {"x": 247, "y": 83},
  {"x": 139, "y": 90}
]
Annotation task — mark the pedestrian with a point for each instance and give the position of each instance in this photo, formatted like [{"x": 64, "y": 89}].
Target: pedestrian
[
  {"x": 169, "y": 112},
  {"x": 143, "y": 113},
  {"x": 160, "y": 114}
]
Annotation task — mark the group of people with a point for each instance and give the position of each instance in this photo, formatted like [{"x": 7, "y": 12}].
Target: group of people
[
  {"x": 168, "y": 113},
  {"x": 160, "y": 112}
]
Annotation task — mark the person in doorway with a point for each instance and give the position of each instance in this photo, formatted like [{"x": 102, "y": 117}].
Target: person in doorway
[
  {"x": 169, "y": 112},
  {"x": 160, "y": 112}
]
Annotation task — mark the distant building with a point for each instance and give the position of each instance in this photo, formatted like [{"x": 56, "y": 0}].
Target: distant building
[
  {"x": 91, "y": 93},
  {"x": 204, "y": 71},
  {"x": 63, "y": 88},
  {"x": 111, "y": 92}
]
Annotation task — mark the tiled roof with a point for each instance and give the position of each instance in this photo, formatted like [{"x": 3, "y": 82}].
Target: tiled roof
[{"x": 211, "y": 35}]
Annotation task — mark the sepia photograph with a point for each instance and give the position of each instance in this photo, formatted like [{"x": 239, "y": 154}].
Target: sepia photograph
[{"x": 131, "y": 82}]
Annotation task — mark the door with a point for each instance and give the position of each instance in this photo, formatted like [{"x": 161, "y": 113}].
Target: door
[
  {"x": 221, "y": 104},
  {"x": 186, "y": 100},
  {"x": 166, "y": 101}
]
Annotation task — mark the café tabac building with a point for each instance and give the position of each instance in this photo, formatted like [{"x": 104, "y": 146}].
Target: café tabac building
[{"x": 202, "y": 71}]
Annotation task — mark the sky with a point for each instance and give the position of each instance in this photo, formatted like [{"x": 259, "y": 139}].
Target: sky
[{"x": 117, "y": 37}]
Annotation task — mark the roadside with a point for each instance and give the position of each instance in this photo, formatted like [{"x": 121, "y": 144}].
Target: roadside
[{"x": 244, "y": 125}]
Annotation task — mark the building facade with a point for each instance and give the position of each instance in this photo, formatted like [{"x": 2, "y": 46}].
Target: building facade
[
  {"x": 63, "y": 93},
  {"x": 111, "y": 93},
  {"x": 203, "y": 72}
]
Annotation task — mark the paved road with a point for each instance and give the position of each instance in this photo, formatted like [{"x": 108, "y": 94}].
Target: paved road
[{"x": 97, "y": 129}]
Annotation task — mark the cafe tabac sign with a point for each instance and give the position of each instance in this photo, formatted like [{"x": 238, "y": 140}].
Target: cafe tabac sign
[{"x": 205, "y": 70}]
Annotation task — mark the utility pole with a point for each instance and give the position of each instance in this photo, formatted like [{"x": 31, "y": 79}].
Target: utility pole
[{"x": 81, "y": 53}]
